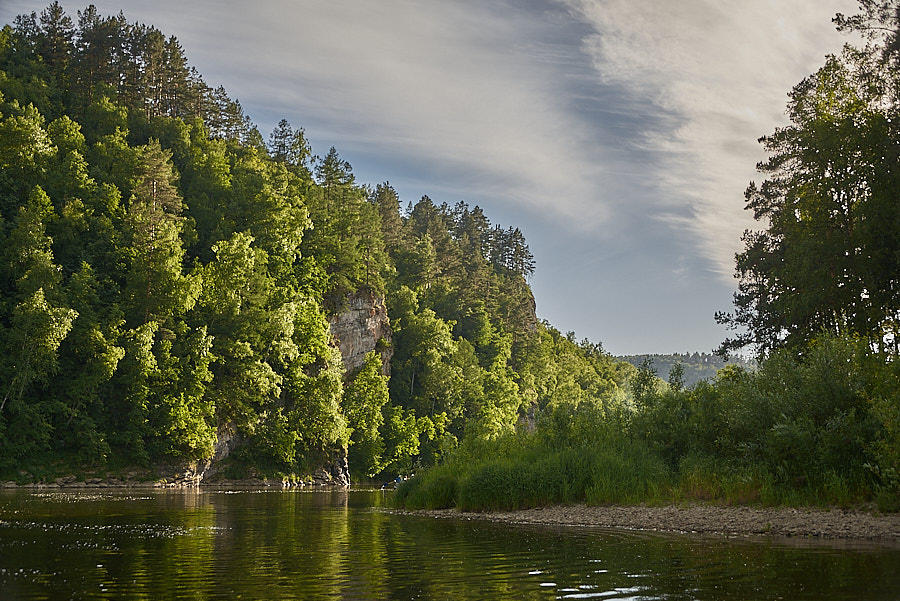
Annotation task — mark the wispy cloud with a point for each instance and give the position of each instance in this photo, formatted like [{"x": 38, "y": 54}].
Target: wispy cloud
[
  {"x": 472, "y": 92},
  {"x": 720, "y": 70}
]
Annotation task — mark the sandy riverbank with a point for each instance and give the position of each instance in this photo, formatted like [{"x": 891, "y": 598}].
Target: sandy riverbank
[{"x": 713, "y": 519}]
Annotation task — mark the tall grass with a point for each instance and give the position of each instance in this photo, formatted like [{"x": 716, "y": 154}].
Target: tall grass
[{"x": 619, "y": 471}]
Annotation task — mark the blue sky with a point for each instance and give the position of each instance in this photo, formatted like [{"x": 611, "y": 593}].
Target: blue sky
[{"x": 619, "y": 135}]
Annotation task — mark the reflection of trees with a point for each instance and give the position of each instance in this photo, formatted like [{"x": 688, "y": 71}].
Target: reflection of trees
[
  {"x": 298, "y": 545},
  {"x": 302, "y": 545},
  {"x": 291, "y": 542},
  {"x": 161, "y": 546}
]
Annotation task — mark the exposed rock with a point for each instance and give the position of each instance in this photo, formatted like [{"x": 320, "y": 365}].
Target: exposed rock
[
  {"x": 227, "y": 439},
  {"x": 340, "y": 469},
  {"x": 363, "y": 326},
  {"x": 334, "y": 471}
]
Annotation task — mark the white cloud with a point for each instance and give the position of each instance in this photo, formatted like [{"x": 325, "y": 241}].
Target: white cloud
[
  {"x": 721, "y": 69},
  {"x": 474, "y": 87}
]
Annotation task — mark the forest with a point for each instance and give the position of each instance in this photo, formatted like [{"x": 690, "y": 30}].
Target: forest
[
  {"x": 167, "y": 274},
  {"x": 690, "y": 368}
]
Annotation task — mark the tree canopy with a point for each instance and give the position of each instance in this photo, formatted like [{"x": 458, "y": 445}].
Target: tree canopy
[
  {"x": 167, "y": 276},
  {"x": 826, "y": 258}
]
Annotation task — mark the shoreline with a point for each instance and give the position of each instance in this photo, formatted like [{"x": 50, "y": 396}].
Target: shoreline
[
  {"x": 833, "y": 524},
  {"x": 135, "y": 479}
]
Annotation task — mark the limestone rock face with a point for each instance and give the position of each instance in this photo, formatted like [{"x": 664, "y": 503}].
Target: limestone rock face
[
  {"x": 334, "y": 472},
  {"x": 363, "y": 326}
]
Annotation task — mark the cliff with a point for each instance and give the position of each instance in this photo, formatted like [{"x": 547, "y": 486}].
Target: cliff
[{"x": 363, "y": 326}]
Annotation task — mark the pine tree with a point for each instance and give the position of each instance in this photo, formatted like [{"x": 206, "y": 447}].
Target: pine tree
[{"x": 157, "y": 287}]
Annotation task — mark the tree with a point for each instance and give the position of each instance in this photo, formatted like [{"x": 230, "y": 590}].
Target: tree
[
  {"x": 364, "y": 401},
  {"x": 676, "y": 377},
  {"x": 37, "y": 322},
  {"x": 100, "y": 60},
  {"x": 24, "y": 147},
  {"x": 879, "y": 22},
  {"x": 828, "y": 258},
  {"x": 388, "y": 202},
  {"x": 645, "y": 383},
  {"x": 157, "y": 286},
  {"x": 57, "y": 34},
  {"x": 235, "y": 304},
  {"x": 288, "y": 145},
  {"x": 346, "y": 235}
]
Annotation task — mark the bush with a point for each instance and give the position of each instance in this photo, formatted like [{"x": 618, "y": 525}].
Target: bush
[
  {"x": 627, "y": 472},
  {"x": 818, "y": 429}
]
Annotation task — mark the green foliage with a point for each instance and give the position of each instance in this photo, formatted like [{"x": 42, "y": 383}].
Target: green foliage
[
  {"x": 165, "y": 275},
  {"x": 826, "y": 259},
  {"x": 820, "y": 430},
  {"x": 364, "y": 400},
  {"x": 155, "y": 270},
  {"x": 581, "y": 464},
  {"x": 401, "y": 433},
  {"x": 696, "y": 366},
  {"x": 438, "y": 489},
  {"x": 644, "y": 384}
]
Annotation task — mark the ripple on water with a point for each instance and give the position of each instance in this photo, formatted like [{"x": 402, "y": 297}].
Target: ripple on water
[{"x": 293, "y": 546}]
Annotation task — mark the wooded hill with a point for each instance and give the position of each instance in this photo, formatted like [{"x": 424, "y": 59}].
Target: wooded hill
[
  {"x": 695, "y": 367},
  {"x": 167, "y": 272}
]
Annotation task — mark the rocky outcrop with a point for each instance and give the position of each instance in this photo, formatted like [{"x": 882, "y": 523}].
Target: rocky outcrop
[
  {"x": 363, "y": 326},
  {"x": 227, "y": 439},
  {"x": 335, "y": 472}
]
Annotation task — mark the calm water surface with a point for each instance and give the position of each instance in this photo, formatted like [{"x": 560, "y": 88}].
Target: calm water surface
[{"x": 322, "y": 545}]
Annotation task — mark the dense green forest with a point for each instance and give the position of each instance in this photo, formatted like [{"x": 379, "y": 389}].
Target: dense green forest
[
  {"x": 818, "y": 303},
  {"x": 167, "y": 274}
]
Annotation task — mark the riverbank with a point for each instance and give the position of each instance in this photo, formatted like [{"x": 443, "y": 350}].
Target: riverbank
[
  {"x": 702, "y": 518},
  {"x": 186, "y": 480}
]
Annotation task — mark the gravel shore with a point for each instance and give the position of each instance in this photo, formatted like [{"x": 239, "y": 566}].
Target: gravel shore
[{"x": 713, "y": 519}]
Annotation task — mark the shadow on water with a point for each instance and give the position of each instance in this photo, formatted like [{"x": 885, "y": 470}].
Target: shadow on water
[{"x": 338, "y": 544}]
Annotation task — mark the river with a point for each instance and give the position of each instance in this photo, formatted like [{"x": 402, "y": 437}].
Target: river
[{"x": 295, "y": 544}]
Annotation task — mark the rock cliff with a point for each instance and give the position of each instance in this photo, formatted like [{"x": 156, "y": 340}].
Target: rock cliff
[{"x": 363, "y": 326}]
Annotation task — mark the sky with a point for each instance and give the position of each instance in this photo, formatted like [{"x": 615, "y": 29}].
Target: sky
[{"x": 618, "y": 135}]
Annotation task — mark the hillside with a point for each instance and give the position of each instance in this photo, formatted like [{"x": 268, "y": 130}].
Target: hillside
[{"x": 170, "y": 278}]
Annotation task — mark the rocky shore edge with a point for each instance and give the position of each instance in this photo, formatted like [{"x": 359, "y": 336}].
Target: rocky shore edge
[
  {"x": 187, "y": 479},
  {"x": 725, "y": 520}
]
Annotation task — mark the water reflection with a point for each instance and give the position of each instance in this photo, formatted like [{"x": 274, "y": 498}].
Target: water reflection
[{"x": 296, "y": 544}]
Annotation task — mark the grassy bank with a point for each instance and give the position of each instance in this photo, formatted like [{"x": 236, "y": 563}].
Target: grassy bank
[
  {"x": 620, "y": 472},
  {"x": 821, "y": 430}
]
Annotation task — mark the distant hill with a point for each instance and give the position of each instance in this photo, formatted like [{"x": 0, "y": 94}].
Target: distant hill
[{"x": 697, "y": 366}]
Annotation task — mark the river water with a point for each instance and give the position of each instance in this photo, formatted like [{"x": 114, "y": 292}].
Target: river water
[{"x": 293, "y": 544}]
